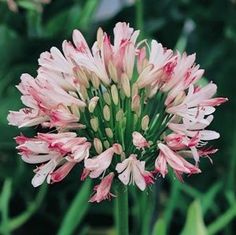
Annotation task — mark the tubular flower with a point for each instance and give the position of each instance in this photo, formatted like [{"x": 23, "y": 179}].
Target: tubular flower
[
  {"x": 103, "y": 189},
  {"x": 123, "y": 109}
]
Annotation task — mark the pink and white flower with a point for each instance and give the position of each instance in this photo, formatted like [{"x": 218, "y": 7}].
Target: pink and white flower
[
  {"x": 103, "y": 189},
  {"x": 100, "y": 163},
  {"x": 139, "y": 141},
  {"x": 132, "y": 171},
  {"x": 63, "y": 150},
  {"x": 197, "y": 104},
  {"x": 174, "y": 160}
]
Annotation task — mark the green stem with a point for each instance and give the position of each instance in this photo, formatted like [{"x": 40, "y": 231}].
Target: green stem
[
  {"x": 87, "y": 11},
  {"x": 139, "y": 15},
  {"x": 4, "y": 206},
  {"x": 122, "y": 210}
]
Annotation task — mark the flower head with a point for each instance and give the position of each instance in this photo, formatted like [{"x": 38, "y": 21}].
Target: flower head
[{"x": 124, "y": 110}]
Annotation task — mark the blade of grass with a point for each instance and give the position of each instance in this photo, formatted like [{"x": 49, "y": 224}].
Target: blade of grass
[
  {"x": 207, "y": 200},
  {"x": 87, "y": 12},
  {"x": 183, "y": 38},
  {"x": 31, "y": 209},
  {"x": 222, "y": 221},
  {"x": 76, "y": 211},
  {"x": 194, "y": 224},
  {"x": 159, "y": 227},
  {"x": 4, "y": 206},
  {"x": 171, "y": 204}
]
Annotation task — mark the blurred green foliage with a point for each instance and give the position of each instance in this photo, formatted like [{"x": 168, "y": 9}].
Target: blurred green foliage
[{"x": 207, "y": 27}]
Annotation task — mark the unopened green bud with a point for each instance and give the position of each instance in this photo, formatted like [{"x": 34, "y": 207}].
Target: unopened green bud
[
  {"x": 109, "y": 132},
  {"x": 99, "y": 37},
  {"x": 98, "y": 145},
  {"x": 106, "y": 113},
  {"x": 106, "y": 144},
  {"x": 93, "y": 103},
  {"x": 114, "y": 94},
  {"x": 134, "y": 89},
  {"x": 179, "y": 98},
  {"x": 81, "y": 76},
  {"x": 112, "y": 72},
  {"x": 95, "y": 81},
  {"x": 135, "y": 105},
  {"x": 94, "y": 123},
  {"x": 125, "y": 84},
  {"x": 107, "y": 98},
  {"x": 117, "y": 148},
  {"x": 83, "y": 92},
  {"x": 75, "y": 110},
  {"x": 120, "y": 115},
  {"x": 145, "y": 122}
]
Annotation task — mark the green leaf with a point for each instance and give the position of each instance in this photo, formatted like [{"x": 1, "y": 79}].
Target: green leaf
[
  {"x": 194, "y": 224},
  {"x": 174, "y": 197},
  {"x": 222, "y": 221},
  {"x": 159, "y": 227},
  {"x": 4, "y": 206},
  {"x": 207, "y": 200},
  {"x": 76, "y": 211},
  {"x": 87, "y": 12}
]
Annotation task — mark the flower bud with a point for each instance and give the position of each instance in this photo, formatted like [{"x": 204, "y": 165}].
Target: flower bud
[
  {"x": 107, "y": 98},
  {"x": 81, "y": 76},
  {"x": 93, "y": 103},
  {"x": 109, "y": 132},
  {"x": 75, "y": 110},
  {"x": 114, "y": 94},
  {"x": 125, "y": 84},
  {"x": 117, "y": 148},
  {"x": 179, "y": 98},
  {"x": 95, "y": 81},
  {"x": 134, "y": 89},
  {"x": 106, "y": 113},
  {"x": 129, "y": 60},
  {"x": 145, "y": 122},
  {"x": 98, "y": 145},
  {"x": 94, "y": 123},
  {"x": 112, "y": 72},
  {"x": 135, "y": 105},
  {"x": 106, "y": 144},
  {"x": 142, "y": 80},
  {"x": 119, "y": 115},
  {"x": 83, "y": 92},
  {"x": 99, "y": 37}
]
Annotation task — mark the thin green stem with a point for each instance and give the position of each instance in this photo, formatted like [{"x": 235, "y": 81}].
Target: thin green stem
[
  {"x": 139, "y": 15},
  {"x": 122, "y": 210},
  {"x": 4, "y": 206}
]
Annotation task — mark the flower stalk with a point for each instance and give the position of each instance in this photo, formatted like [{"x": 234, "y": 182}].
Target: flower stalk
[{"x": 122, "y": 210}]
